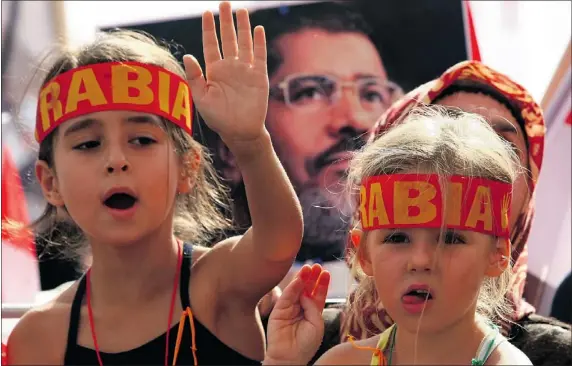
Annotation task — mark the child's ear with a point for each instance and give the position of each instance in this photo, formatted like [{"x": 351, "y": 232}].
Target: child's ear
[
  {"x": 356, "y": 238},
  {"x": 49, "y": 184},
  {"x": 499, "y": 258},
  {"x": 189, "y": 168}
]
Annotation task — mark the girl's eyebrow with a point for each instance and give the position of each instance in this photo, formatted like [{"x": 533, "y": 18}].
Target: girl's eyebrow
[
  {"x": 144, "y": 119},
  {"x": 81, "y": 125},
  {"x": 90, "y": 122}
]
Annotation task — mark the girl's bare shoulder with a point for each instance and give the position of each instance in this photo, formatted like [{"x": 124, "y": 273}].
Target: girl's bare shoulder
[
  {"x": 508, "y": 354},
  {"x": 40, "y": 336}
]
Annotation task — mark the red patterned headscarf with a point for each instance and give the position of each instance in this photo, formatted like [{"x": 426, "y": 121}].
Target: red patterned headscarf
[{"x": 373, "y": 319}]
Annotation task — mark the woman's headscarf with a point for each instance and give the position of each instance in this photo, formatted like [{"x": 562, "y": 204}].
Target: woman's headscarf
[{"x": 469, "y": 76}]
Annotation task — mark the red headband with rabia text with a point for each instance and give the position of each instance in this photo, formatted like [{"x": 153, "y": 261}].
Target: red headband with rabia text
[
  {"x": 416, "y": 200},
  {"x": 112, "y": 86}
]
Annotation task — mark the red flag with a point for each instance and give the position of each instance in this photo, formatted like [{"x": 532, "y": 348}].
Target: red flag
[
  {"x": 14, "y": 204},
  {"x": 4, "y": 356},
  {"x": 475, "y": 53},
  {"x": 20, "y": 280}
]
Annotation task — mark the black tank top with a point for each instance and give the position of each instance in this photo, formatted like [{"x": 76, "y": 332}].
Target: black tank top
[{"x": 210, "y": 350}]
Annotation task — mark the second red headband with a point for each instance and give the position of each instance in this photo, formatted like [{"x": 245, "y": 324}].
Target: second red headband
[{"x": 416, "y": 200}]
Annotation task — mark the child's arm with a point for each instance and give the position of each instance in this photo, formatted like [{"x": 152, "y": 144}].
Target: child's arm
[
  {"x": 262, "y": 257},
  {"x": 233, "y": 101}
]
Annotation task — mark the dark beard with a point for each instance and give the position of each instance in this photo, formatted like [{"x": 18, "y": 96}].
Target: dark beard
[
  {"x": 349, "y": 142},
  {"x": 325, "y": 228}
]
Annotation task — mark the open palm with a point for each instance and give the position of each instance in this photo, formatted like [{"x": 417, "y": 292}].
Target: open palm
[
  {"x": 295, "y": 326},
  {"x": 234, "y": 97}
]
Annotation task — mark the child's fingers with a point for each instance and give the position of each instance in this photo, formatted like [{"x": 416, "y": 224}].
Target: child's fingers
[
  {"x": 321, "y": 290},
  {"x": 292, "y": 292},
  {"x": 316, "y": 269},
  {"x": 211, "y": 48},
  {"x": 312, "y": 279},
  {"x": 260, "y": 53},
  {"x": 195, "y": 76},
  {"x": 305, "y": 272}
]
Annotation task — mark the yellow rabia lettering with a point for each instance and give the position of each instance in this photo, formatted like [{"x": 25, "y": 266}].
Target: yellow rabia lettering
[
  {"x": 453, "y": 200},
  {"x": 164, "y": 90},
  {"x": 376, "y": 206},
  {"x": 182, "y": 105},
  {"x": 121, "y": 84},
  {"x": 504, "y": 211},
  {"x": 53, "y": 90},
  {"x": 92, "y": 90},
  {"x": 362, "y": 210},
  {"x": 402, "y": 202},
  {"x": 482, "y": 199}
]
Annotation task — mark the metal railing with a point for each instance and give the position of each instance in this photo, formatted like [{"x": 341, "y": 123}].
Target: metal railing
[{"x": 14, "y": 311}]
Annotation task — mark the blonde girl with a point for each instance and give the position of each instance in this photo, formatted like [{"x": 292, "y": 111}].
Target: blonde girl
[{"x": 432, "y": 243}]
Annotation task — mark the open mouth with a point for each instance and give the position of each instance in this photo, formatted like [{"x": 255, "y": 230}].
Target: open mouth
[
  {"x": 120, "y": 201},
  {"x": 419, "y": 295},
  {"x": 417, "y": 298}
]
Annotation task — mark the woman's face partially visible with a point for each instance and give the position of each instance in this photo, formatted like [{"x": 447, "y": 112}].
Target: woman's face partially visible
[{"x": 502, "y": 120}]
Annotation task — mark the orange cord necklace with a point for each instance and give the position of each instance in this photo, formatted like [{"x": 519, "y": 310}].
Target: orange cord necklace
[{"x": 378, "y": 352}]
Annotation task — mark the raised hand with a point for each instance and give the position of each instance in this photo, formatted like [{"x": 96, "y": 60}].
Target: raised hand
[
  {"x": 295, "y": 326},
  {"x": 234, "y": 97}
]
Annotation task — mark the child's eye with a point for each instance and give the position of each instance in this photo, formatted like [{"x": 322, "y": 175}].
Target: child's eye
[
  {"x": 87, "y": 145},
  {"x": 143, "y": 141},
  {"x": 396, "y": 238},
  {"x": 451, "y": 237}
]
